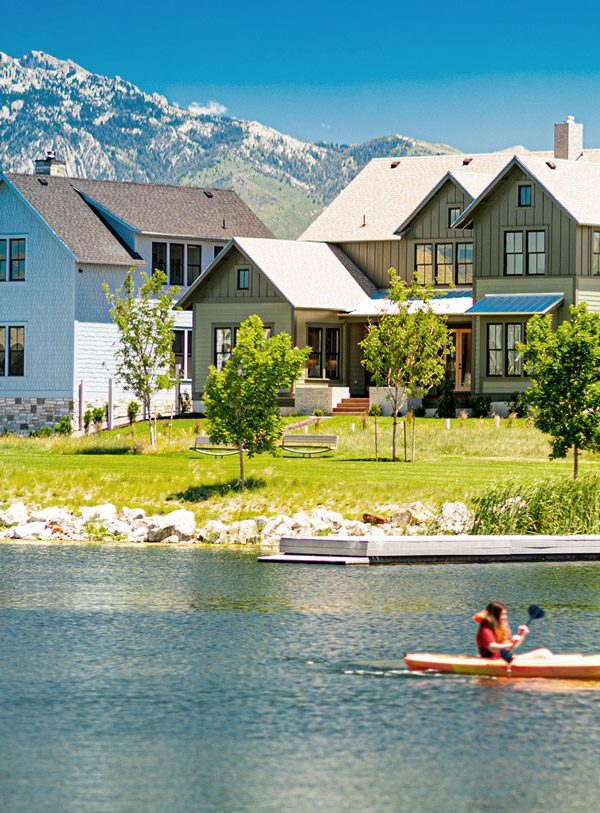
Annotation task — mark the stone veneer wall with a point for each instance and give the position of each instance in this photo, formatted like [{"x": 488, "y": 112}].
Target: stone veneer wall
[
  {"x": 318, "y": 396},
  {"x": 25, "y": 415}
]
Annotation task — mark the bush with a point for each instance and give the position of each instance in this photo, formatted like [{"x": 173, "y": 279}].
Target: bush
[
  {"x": 446, "y": 407},
  {"x": 87, "y": 420},
  {"x": 98, "y": 417},
  {"x": 319, "y": 413},
  {"x": 185, "y": 403},
  {"x": 375, "y": 411},
  {"x": 63, "y": 427},
  {"x": 480, "y": 406},
  {"x": 133, "y": 410},
  {"x": 419, "y": 411},
  {"x": 44, "y": 432},
  {"x": 547, "y": 507},
  {"x": 518, "y": 404}
]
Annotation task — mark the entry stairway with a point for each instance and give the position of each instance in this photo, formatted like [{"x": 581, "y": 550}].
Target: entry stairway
[{"x": 351, "y": 406}]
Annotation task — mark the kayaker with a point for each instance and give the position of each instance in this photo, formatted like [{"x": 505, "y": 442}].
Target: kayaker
[{"x": 494, "y": 634}]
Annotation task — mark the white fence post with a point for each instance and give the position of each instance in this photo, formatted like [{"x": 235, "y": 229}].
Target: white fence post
[
  {"x": 109, "y": 417},
  {"x": 177, "y": 387},
  {"x": 81, "y": 405}
]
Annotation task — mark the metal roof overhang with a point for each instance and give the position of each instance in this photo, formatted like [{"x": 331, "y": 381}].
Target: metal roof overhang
[{"x": 516, "y": 304}]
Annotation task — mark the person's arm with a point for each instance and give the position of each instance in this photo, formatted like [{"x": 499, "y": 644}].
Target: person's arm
[{"x": 511, "y": 644}]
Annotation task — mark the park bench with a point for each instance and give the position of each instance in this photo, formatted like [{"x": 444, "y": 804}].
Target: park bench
[
  {"x": 205, "y": 445},
  {"x": 309, "y": 445}
]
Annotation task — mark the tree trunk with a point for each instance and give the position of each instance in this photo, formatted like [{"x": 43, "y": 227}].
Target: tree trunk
[
  {"x": 242, "y": 476},
  {"x": 148, "y": 404},
  {"x": 405, "y": 444},
  {"x": 394, "y": 425},
  {"x": 412, "y": 448},
  {"x": 575, "y": 462},
  {"x": 376, "y": 452}
]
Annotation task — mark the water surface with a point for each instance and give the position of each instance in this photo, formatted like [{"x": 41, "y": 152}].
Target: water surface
[{"x": 170, "y": 681}]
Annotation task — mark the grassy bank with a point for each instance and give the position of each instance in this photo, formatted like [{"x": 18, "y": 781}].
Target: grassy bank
[{"x": 454, "y": 464}]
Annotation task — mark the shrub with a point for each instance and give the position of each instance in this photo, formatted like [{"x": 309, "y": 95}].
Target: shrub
[
  {"x": 185, "y": 403},
  {"x": 518, "y": 404},
  {"x": 64, "y": 427},
  {"x": 87, "y": 420},
  {"x": 480, "y": 406},
  {"x": 44, "y": 432},
  {"x": 318, "y": 413},
  {"x": 98, "y": 417},
  {"x": 133, "y": 410},
  {"x": 446, "y": 407},
  {"x": 552, "y": 506},
  {"x": 375, "y": 411},
  {"x": 419, "y": 411}
]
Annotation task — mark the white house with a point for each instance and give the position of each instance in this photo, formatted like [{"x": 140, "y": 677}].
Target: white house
[{"x": 60, "y": 239}]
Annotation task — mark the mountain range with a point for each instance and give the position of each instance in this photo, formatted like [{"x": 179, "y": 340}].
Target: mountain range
[{"x": 108, "y": 128}]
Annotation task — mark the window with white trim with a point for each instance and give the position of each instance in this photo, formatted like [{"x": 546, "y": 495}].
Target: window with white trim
[
  {"x": 596, "y": 253},
  {"x": 182, "y": 351},
  {"x": 424, "y": 262}
]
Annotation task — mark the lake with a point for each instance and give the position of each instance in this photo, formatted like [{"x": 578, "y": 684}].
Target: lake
[{"x": 157, "y": 680}]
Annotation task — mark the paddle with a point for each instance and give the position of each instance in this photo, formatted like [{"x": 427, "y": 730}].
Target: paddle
[{"x": 535, "y": 613}]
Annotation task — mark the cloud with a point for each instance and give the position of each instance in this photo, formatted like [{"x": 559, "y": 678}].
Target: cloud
[{"x": 211, "y": 108}]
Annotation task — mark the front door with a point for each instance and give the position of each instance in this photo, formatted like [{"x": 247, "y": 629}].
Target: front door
[{"x": 463, "y": 338}]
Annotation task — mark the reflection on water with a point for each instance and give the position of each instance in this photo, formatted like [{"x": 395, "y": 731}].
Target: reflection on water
[{"x": 152, "y": 680}]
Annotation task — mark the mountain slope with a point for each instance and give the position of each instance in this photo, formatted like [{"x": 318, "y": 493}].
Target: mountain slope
[{"x": 108, "y": 128}]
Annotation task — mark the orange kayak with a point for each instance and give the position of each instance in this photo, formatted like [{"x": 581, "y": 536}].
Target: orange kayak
[{"x": 583, "y": 667}]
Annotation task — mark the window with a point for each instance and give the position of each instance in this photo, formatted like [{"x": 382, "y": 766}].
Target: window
[
  {"x": 525, "y": 195},
  {"x": 513, "y": 253},
  {"x": 159, "y": 257},
  {"x": 182, "y": 350},
  {"x": 494, "y": 350},
  {"x": 332, "y": 352},
  {"x": 514, "y": 363},
  {"x": 453, "y": 214},
  {"x": 224, "y": 343},
  {"x": 194, "y": 262},
  {"x": 243, "y": 279},
  {"x": 464, "y": 263},
  {"x": 176, "y": 264},
  {"x": 424, "y": 262},
  {"x": 536, "y": 252},
  {"x": 595, "y": 255},
  {"x": 2, "y": 260},
  {"x": 315, "y": 342},
  {"x": 444, "y": 264},
  {"x": 217, "y": 250},
  {"x": 17, "y": 260},
  {"x": 12, "y": 362}
]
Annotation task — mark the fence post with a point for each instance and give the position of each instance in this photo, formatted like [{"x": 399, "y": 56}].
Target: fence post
[
  {"x": 109, "y": 417},
  {"x": 81, "y": 405},
  {"x": 177, "y": 387}
]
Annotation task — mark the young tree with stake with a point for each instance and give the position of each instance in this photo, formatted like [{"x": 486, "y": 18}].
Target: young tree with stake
[
  {"x": 145, "y": 321},
  {"x": 405, "y": 351},
  {"x": 241, "y": 399},
  {"x": 564, "y": 368}
]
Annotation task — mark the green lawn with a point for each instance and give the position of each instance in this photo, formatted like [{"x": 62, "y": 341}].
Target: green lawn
[{"x": 116, "y": 467}]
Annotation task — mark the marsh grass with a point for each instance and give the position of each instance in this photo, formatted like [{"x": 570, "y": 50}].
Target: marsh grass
[
  {"x": 120, "y": 467},
  {"x": 551, "y": 506}
]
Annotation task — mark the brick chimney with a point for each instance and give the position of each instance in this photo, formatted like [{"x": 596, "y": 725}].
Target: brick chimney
[
  {"x": 51, "y": 165},
  {"x": 568, "y": 139}
]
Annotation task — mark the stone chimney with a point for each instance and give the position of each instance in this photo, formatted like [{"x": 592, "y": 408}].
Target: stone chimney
[
  {"x": 51, "y": 165},
  {"x": 568, "y": 139}
]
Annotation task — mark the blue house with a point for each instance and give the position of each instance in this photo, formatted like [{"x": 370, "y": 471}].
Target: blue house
[{"x": 61, "y": 238}]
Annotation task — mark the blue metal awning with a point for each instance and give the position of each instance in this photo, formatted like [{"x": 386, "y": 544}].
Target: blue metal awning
[{"x": 522, "y": 304}]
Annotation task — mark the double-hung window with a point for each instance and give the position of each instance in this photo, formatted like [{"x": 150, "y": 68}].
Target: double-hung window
[
  {"x": 194, "y": 263},
  {"x": 513, "y": 253},
  {"x": 324, "y": 359},
  {"x": 444, "y": 263},
  {"x": 464, "y": 263},
  {"x": 595, "y": 254},
  {"x": 536, "y": 252},
  {"x": 224, "y": 342},
  {"x": 3, "y": 260},
  {"x": 12, "y": 350},
  {"x": 182, "y": 350},
  {"x": 159, "y": 257},
  {"x": 514, "y": 362},
  {"x": 424, "y": 262},
  {"x": 12, "y": 259},
  {"x": 176, "y": 264},
  {"x": 494, "y": 350}
]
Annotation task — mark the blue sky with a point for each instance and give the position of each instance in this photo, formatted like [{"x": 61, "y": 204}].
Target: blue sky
[{"x": 477, "y": 75}]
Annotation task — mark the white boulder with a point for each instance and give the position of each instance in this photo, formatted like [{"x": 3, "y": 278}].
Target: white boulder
[
  {"x": 99, "y": 513},
  {"x": 29, "y": 530},
  {"x": 131, "y": 514},
  {"x": 52, "y": 514},
  {"x": 212, "y": 531},
  {"x": 181, "y": 523},
  {"x": 16, "y": 514}
]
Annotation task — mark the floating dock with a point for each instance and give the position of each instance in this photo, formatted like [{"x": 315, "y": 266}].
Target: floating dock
[{"x": 413, "y": 550}]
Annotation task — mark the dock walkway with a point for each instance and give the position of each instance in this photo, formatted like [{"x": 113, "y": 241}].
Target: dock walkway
[{"x": 435, "y": 549}]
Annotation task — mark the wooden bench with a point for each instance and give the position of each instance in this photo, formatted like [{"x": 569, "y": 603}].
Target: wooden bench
[
  {"x": 309, "y": 445},
  {"x": 205, "y": 445}
]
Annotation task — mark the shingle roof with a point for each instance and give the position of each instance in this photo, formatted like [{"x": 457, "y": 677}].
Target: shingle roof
[
  {"x": 147, "y": 208},
  {"x": 308, "y": 275},
  {"x": 388, "y": 190},
  {"x": 574, "y": 185}
]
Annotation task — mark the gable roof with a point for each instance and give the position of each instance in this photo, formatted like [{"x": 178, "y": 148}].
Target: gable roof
[
  {"x": 308, "y": 275},
  {"x": 388, "y": 190},
  {"x": 74, "y": 208},
  {"x": 471, "y": 183},
  {"x": 574, "y": 186}
]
